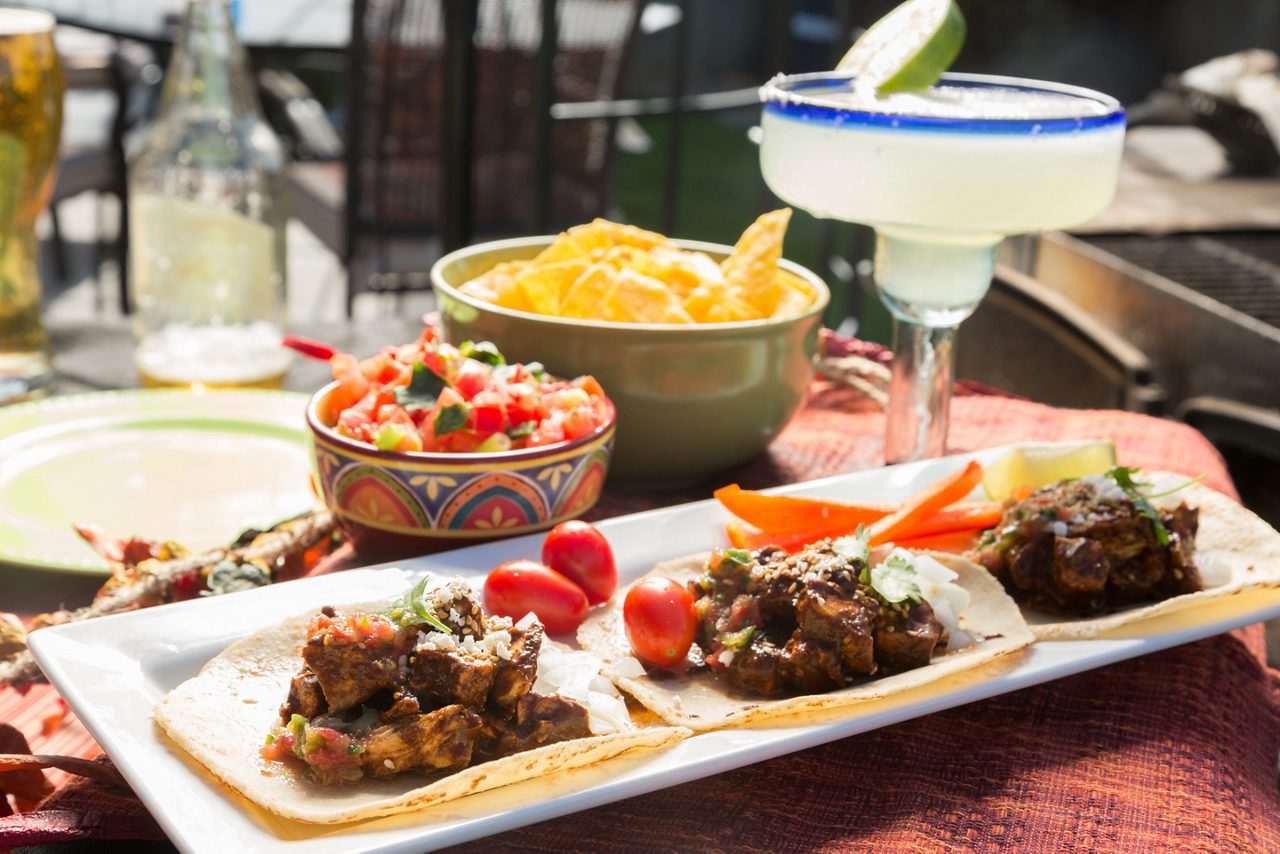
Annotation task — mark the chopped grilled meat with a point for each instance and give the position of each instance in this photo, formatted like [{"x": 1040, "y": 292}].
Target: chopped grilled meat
[
  {"x": 349, "y": 673},
  {"x": 812, "y": 666},
  {"x": 908, "y": 644},
  {"x": 546, "y": 719},
  {"x": 845, "y": 621},
  {"x": 802, "y": 622},
  {"x": 440, "y": 740},
  {"x": 402, "y": 706},
  {"x": 442, "y": 677},
  {"x": 1079, "y": 575},
  {"x": 1083, "y": 547},
  {"x": 758, "y": 669},
  {"x": 454, "y": 606},
  {"x": 382, "y": 693},
  {"x": 514, "y": 676},
  {"x": 305, "y": 697}
]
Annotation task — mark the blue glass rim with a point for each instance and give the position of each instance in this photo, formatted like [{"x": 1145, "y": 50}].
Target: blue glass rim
[{"x": 784, "y": 96}]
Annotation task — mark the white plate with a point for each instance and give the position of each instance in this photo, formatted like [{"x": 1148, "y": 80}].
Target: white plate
[
  {"x": 193, "y": 467},
  {"x": 113, "y": 670}
]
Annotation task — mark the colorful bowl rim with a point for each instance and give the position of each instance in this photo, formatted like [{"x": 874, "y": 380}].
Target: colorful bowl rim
[
  {"x": 441, "y": 284},
  {"x": 600, "y": 434}
]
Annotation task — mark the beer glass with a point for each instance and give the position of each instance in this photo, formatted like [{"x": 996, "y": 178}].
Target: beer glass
[{"x": 31, "y": 86}]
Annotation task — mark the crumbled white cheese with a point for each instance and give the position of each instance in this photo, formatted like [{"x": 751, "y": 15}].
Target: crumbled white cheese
[{"x": 1104, "y": 487}]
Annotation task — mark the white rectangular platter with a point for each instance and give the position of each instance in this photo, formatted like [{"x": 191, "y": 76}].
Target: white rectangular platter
[{"x": 114, "y": 669}]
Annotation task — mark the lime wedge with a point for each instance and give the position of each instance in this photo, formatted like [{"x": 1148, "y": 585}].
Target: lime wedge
[
  {"x": 1035, "y": 466},
  {"x": 909, "y": 48}
]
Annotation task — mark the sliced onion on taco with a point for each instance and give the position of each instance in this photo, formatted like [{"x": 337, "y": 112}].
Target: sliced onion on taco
[
  {"x": 373, "y": 710},
  {"x": 824, "y": 628}
]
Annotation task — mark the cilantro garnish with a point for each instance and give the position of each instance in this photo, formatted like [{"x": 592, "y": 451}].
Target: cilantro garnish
[
  {"x": 895, "y": 580},
  {"x": 524, "y": 428},
  {"x": 742, "y": 557},
  {"x": 484, "y": 352},
  {"x": 410, "y": 609},
  {"x": 451, "y": 418},
  {"x": 1139, "y": 492},
  {"x": 424, "y": 387}
]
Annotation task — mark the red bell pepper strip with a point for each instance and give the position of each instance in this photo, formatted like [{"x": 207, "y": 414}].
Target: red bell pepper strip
[
  {"x": 954, "y": 542},
  {"x": 961, "y": 518},
  {"x": 796, "y": 513},
  {"x": 310, "y": 347},
  {"x": 907, "y": 520}
]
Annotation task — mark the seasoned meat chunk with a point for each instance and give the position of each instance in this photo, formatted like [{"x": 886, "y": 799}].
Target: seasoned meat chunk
[
  {"x": 441, "y": 740},
  {"x": 1086, "y": 545},
  {"x": 545, "y": 719},
  {"x": 1079, "y": 577},
  {"x": 457, "y": 607},
  {"x": 514, "y": 676},
  {"x": 305, "y": 697},
  {"x": 843, "y": 621},
  {"x": 349, "y": 673},
  {"x": 442, "y": 677},
  {"x": 910, "y": 644},
  {"x": 812, "y": 665},
  {"x": 757, "y": 668}
]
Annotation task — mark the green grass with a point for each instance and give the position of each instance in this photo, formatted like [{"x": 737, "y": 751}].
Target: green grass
[{"x": 721, "y": 193}]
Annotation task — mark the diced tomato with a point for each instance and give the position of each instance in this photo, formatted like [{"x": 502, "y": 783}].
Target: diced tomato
[
  {"x": 471, "y": 379},
  {"x": 579, "y": 422},
  {"x": 495, "y": 400}
]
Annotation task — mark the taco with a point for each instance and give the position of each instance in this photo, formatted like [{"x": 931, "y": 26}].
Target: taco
[
  {"x": 1086, "y": 556},
  {"x": 393, "y": 707},
  {"x": 824, "y": 628}
]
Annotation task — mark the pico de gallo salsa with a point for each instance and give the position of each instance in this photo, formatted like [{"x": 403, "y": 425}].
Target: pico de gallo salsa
[{"x": 432, "y": 396}]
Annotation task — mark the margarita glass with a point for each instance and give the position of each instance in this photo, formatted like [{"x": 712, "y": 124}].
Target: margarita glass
[{"x": 942, "y": 175}]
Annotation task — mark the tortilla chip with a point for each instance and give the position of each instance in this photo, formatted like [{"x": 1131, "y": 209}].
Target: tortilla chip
[
  {"x": 543, "y": 284},
  {"x": 703, "y": 700},
  {"x": 1232, "y": 544},
  {"x": 563, "y": 248},
  {"x": 637, "y": 298},
  {"x": 617, "y": 234},
  {"x": 589, "y": 293},
  {"x": 753, "y": 264},
  {"x": 221, "y": 716}
]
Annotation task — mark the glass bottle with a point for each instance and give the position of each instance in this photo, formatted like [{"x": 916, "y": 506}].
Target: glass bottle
[{"x": 207, "y": 220}]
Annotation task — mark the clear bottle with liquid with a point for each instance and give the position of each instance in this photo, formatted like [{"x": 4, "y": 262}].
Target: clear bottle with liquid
[{"x": 208, "y": 210}]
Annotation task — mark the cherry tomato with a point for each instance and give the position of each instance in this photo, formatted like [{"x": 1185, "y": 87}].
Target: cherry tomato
[
  {"x": 517, "y": 587},
  {"x": 581, "y": 554},
  {"x": 660, "y": 621}
]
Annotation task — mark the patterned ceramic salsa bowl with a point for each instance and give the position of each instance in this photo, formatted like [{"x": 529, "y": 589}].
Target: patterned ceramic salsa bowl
[{"x": 399, "y": 504}]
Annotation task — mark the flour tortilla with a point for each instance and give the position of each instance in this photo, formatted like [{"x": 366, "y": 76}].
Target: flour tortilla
[
  {"x": 703, "y": 700},
  {"x": 1233, "y": 547},
  {"x": 222, "y": 715}
]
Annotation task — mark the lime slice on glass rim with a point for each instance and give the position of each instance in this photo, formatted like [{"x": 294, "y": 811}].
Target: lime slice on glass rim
[
  {"x": 1035, "y": 466},
  {"x": 909, "y": 48}
]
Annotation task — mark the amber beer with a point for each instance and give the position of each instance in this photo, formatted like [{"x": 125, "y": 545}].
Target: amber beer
[{"x": 31, "y": 86}]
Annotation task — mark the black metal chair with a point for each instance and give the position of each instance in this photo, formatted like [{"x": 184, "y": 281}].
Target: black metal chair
[
  {"x": 122, "y": 76},
  {"x": 443, "y": 133},
  {"x": 1027, "y": 339}
]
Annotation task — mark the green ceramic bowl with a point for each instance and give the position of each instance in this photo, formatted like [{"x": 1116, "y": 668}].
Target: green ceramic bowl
[{"x": 692, "y": 400}]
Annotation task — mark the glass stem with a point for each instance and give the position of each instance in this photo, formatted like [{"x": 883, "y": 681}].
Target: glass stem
[{"x": 919, "y": 391}]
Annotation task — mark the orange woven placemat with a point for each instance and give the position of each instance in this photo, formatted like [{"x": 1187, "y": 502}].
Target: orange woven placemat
[{"x": 1174, "y": 751}]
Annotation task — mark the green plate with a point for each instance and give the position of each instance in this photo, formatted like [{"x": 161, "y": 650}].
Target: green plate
[{"x": 196, "y": 468}]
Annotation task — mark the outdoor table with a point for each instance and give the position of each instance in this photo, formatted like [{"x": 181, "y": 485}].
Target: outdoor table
[{"x": 1172, "y": 751}]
